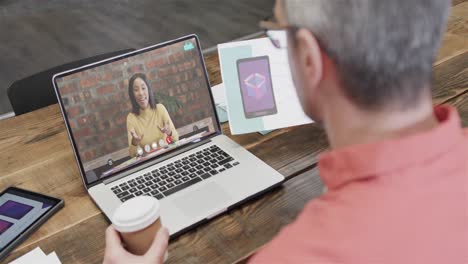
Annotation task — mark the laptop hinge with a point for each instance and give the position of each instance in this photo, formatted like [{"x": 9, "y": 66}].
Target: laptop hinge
[{"x": 155, "y": 161}]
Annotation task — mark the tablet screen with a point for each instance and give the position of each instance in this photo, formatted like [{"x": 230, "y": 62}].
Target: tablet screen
[{"x": 19, "y": 210}]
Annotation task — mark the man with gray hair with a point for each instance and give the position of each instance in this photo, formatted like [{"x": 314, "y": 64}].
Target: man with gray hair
[
  {"x": 397, "y": 174},
  {"x": 397, "y": 171}
]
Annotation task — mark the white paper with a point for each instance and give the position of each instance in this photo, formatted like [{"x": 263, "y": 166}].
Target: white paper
[
  {"x": 34, "y": 256},
  {"x": 37, "y": 256},
  {"x": 53, "y": 259},
  {"x": 219, "y": 95},
  {"x": 289, "y": 110}
]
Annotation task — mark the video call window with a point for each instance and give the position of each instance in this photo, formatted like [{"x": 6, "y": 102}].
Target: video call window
[{"x": 138, "y": 107}]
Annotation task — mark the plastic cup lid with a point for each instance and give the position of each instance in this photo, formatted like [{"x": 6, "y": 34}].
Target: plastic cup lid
[{"x": 136, "y": 214}]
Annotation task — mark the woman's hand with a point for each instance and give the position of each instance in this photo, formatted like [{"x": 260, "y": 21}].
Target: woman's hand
[
  {"x": 166, "y": 129},
  {"x": 115, "y": 252},
  {"x": 135, "y": 138}
]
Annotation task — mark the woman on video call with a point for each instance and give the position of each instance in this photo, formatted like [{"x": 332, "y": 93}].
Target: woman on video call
[{"x": 149, "y": 121}]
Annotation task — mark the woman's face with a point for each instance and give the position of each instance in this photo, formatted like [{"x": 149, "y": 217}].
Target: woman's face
[{"x": 140, "y": 91}]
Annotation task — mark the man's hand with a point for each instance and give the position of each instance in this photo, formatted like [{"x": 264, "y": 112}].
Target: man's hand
[
  {"x": 115, "y": 252},
  {"x": 135, "y": 138}
]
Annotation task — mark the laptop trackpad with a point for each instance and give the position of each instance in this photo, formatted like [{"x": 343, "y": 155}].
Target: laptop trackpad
[{"x": 208, "y": 197}]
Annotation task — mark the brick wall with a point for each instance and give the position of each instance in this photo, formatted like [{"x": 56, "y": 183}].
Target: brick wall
[{"x": 97, "y": 101}]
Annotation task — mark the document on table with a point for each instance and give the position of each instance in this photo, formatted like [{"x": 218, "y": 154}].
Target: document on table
[
  {"x": 219, "y": 97},
  {"x": 37, "y": 256},
  {"x": 259, "y": 90}
]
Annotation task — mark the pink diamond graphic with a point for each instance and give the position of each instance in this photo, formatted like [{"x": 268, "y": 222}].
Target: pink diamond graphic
[{"x": 255, "y": 83}]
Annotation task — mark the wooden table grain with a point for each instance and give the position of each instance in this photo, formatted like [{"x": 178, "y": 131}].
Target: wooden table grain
[{"x": 35, "y": 154}]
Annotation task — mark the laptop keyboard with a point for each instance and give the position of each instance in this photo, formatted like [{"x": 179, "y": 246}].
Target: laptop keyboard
[{"x": 177, "y": 175}]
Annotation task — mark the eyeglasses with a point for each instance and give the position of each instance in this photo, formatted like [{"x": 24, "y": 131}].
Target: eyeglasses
[
  {"x": 276, "y": 33},
  {"x": 279, "y": 35},
  {"x": 278, "y": 38}
]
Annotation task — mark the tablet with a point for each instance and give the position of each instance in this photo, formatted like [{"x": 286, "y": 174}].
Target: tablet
[
  {"x": 22, "y": 212},
  {"x": 256, "y": 87}
]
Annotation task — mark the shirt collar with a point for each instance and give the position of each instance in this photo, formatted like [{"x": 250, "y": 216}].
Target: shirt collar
[
  {"x": 145, "y": 112},
  {"x": 338, "y": 167}
]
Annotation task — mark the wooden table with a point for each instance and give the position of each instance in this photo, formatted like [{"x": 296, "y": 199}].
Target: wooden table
[{"x": 35, "y": 154}]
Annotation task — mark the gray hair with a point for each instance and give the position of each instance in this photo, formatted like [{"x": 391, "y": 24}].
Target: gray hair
[{"x": 383, "y": 49}]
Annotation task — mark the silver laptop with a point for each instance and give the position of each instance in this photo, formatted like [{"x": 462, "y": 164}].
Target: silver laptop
[{"x": 144, "y": 123}]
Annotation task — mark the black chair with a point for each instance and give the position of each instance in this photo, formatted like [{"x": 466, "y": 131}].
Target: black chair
[{"x": 37, "y": 91}]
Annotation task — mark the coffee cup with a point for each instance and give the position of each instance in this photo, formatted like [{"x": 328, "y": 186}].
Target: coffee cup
[{"x": 138, "y": 221}]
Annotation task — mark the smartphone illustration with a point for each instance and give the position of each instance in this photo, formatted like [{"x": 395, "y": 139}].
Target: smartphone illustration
[{"x": 256, "y": 87}]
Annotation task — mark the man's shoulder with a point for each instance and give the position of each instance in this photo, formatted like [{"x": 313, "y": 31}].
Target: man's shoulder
[
  {"x": 305, "y": 239},
  {"x": 465, "y": 136},
  {"x": 465, "y": 133}
]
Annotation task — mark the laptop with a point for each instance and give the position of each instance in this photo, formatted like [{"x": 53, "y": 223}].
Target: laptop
[{"x": 144, "y": 123}]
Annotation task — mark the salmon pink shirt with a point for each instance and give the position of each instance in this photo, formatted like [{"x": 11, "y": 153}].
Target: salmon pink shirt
[{"x": 403, "y": 200}]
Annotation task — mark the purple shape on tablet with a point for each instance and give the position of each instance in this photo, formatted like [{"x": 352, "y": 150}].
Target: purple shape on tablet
[
  {"x": 4, "y": 225},
  {"x": 14, "y": 209}
]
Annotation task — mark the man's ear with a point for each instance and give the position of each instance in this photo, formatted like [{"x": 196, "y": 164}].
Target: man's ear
[{"x": 309, "y": 56}]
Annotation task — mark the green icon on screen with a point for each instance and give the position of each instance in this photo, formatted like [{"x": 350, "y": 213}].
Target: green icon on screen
[{"x": 188, "y": 46}]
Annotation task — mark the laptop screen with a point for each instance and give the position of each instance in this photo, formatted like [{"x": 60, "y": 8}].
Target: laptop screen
[{"x": 137, "y": 107}]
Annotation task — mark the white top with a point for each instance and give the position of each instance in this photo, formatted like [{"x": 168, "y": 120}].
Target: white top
[{"x": 136, "y": 214}]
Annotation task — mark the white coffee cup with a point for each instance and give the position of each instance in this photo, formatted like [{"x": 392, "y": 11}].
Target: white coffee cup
[{"x": 138, "y": 221}]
